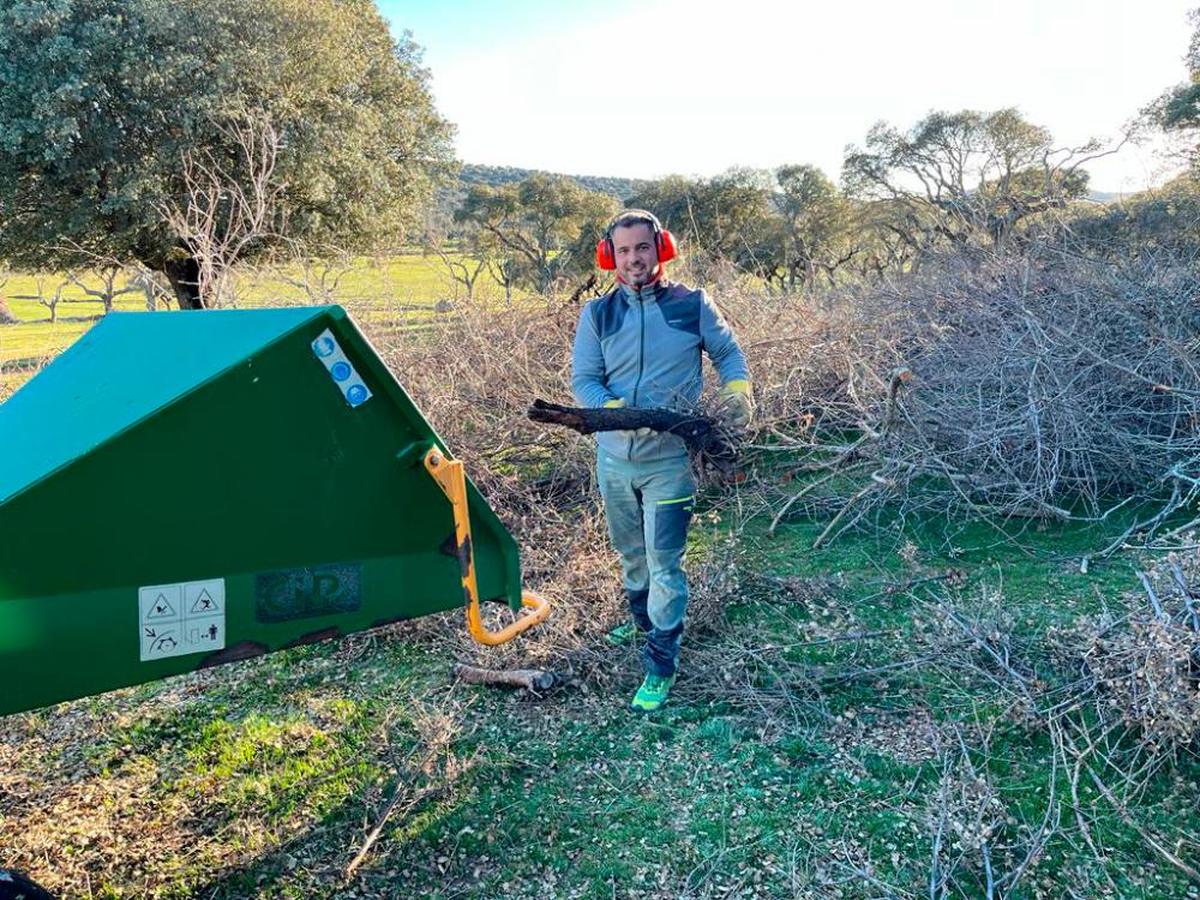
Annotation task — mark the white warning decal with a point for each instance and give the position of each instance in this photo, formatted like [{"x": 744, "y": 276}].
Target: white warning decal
[
  {"x": 177, "y": 619},
  {"x": 162, "y": 609},
  {"x": 205, "y": 603}
]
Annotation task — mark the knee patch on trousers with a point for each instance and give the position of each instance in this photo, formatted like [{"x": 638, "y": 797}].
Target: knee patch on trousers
[{"x": 671, "y": 518}]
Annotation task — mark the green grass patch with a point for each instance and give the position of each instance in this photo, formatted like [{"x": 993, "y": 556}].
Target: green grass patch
[
  {"x": 811, "y": 748},
  {"x": 401, "y": 291}
]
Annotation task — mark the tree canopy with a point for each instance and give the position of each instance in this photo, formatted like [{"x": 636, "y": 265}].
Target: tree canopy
[
  {"x": 104, "y": 102},
  {"x": 783, "y": 226},
  {"x": 965, "y": 177},
  {"x": 538, "y": 230},
  {"x": 1178, "y": 109}
]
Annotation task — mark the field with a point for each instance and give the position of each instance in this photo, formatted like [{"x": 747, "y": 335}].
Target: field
[
  {"x": 402, "y": 289},
  {"x": 901, "y": 713}
]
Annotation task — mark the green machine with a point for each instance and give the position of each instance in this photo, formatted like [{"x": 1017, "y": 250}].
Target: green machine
[{"x": 180, "y": 490}]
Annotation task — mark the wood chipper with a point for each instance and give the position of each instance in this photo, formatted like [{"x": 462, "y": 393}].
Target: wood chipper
[{"x": 180, "y": 490}]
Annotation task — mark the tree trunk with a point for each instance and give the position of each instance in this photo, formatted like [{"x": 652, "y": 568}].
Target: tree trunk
[
  {"x": 184, "y": 275},
  {"x": 584, "y": 288},
  {"x": 6, "y": 316}
]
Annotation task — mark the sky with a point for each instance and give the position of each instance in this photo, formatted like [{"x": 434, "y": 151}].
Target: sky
[{"x": 693, "y": 87}]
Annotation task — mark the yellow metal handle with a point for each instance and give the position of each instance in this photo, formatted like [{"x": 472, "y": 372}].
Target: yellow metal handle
[{"x": 452, "y": 479}]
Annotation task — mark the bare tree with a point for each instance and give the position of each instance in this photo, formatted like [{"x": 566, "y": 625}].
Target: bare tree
[
  {"x": 463, "y": 252},
  {"x": 153, "y": 285},
  {"x": 318, "y": 278},
  {"x": 6, "y": 316},
  {"x": 108, "y": 291},
  {"x": 505, "y": 271},
  {"x": 463, "y": 270},
  {"x": 229, "y": 206},
  {"x": 50, "y": 301}
]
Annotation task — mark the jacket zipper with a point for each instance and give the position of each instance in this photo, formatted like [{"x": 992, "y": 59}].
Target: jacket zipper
[{"x": 641, "y": 359}]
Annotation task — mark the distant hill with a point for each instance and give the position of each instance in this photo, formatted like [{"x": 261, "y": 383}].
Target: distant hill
[
  {"x": 450, "y": 198},
  {"x": 621, "y": 188}
]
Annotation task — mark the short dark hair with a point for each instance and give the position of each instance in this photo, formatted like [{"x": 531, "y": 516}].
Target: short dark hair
[{"x": 628, "y": 217}]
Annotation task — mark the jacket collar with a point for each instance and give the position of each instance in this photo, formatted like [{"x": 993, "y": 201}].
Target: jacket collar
[{"x": 651, "y": 291}]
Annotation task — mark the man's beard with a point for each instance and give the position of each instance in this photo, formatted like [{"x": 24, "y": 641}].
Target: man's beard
[{"x": 642, "y": 277}]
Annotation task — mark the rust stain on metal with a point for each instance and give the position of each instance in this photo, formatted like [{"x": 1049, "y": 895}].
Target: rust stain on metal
[
  {"x": 461, "y": 552},
  {"x": 314, "y": 637},
  {"x": 239, "y": 651},
  {"x": 464, "y": 556}
]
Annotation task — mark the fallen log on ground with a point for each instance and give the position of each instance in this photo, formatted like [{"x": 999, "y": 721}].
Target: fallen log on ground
[
  {"x": 702, "y": 435},
  {"x": 533, "y": 680}
]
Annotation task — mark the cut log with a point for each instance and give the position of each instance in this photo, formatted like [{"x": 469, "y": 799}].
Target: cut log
[
  {"x": 701, "y": 434},
  {"x": 533, "y": 680}
]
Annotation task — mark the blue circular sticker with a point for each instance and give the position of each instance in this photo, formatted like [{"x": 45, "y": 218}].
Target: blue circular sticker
[
  {"x": 340, "y": 371},
  {"x": 323, "y": 346},
  {"x": 356, "y": 394}
]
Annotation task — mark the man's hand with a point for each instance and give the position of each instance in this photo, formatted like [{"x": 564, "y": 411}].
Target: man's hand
[
  {"x": 737, "y": 404},
  {"x": 619, "y": 403}
]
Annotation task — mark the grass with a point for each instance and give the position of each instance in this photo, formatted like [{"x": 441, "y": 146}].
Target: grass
[
  {"x": 263, "y": 777},
  {"x": 806, "y": 751},
  {"x": 405, "y": 288}
]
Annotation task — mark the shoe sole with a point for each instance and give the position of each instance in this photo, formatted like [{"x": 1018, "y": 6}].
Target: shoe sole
[{"x": 644, "y": 711}]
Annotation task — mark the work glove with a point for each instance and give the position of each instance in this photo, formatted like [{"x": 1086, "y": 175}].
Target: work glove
[
  {"x": 737, "y": 404},
  {"x": 619, "y": 403}
]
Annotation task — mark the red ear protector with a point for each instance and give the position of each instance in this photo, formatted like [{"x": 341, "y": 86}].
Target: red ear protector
[{"x": 664, "y": 241}]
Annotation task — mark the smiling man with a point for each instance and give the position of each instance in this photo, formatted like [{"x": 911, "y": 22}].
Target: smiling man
[{"x": 641, "y": 345}]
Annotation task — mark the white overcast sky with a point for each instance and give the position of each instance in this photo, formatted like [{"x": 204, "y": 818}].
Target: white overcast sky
[{"x": 644, "y": 89}]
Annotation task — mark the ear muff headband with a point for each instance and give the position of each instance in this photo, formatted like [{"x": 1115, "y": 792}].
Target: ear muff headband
[{"x": 664, "y": 242}]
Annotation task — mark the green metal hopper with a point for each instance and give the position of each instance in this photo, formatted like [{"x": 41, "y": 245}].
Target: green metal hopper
[{"x": 179, "y": 490}]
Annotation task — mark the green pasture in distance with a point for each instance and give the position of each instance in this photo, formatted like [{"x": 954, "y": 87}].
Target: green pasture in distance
[
  {"x": 405, "y": 288},
  {"x": 408, "y": 279}
]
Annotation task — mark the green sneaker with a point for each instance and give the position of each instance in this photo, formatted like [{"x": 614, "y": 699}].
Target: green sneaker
[
  {"x": 653, "y": 693},
  {"x": 625, "y": 633}
]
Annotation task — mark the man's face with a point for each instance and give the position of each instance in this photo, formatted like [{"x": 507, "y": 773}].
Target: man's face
[{"x": 637, "y": 259}]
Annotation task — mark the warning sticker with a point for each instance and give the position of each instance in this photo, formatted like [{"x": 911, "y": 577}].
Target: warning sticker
[
  {"x": 349, "y": 382},
  {"x": 165, "y": 605},
  {"x": 178, "y": 619}
]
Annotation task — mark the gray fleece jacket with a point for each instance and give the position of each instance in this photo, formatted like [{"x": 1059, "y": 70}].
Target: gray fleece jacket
[{"x": 644, "y": 347}]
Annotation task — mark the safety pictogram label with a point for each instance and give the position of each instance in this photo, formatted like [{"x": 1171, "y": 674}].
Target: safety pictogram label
[
  {"x": 165, "y": 606},
  {"x": 204, "y": 604},
  {"x": 183, "y": 618},
  {"x": 329, "y": 352}
]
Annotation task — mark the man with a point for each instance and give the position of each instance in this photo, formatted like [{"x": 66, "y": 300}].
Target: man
[{"x": 640, "y": 345}]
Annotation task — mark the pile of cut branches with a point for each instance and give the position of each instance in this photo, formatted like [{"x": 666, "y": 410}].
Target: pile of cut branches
[{"x": 1041, "y": 386}]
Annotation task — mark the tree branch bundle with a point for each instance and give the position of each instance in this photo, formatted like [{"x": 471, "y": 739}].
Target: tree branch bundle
[{"x": 702, "y": 435}]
